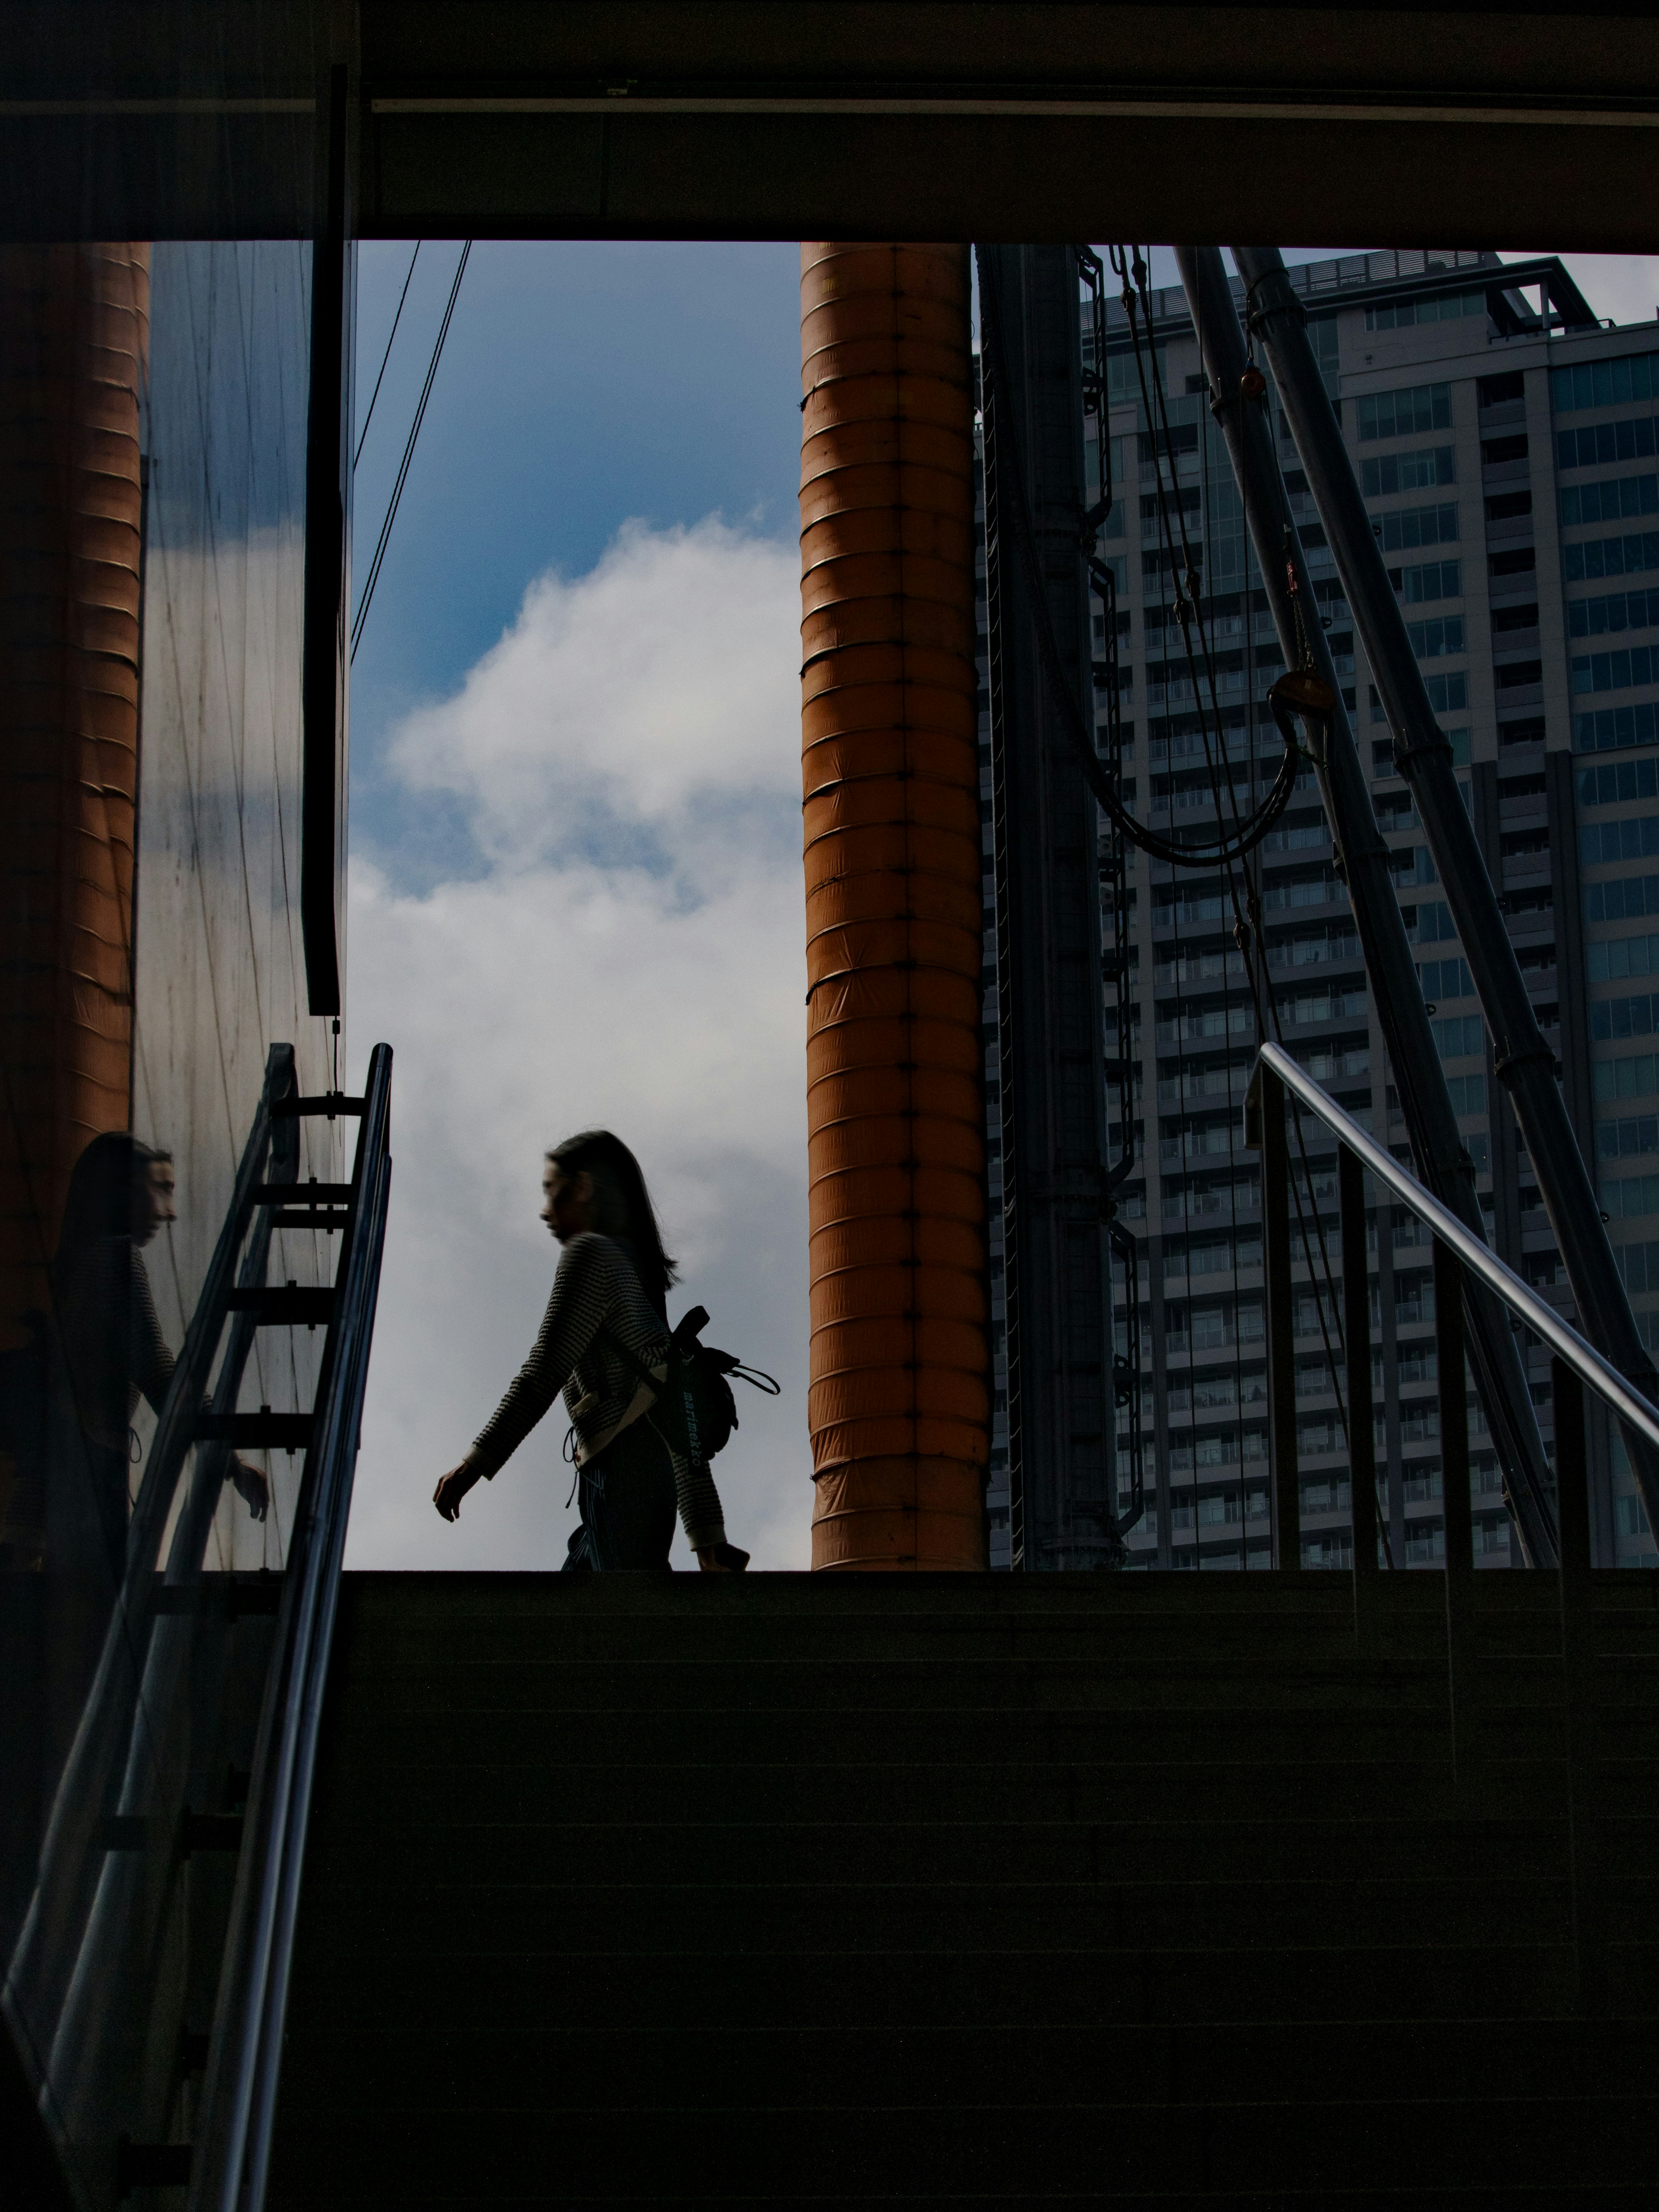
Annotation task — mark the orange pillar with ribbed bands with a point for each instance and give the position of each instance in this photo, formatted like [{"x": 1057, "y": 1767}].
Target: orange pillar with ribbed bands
[
  {"x": 899, "y": 1402},
  {"x": 74, "y": 341}
]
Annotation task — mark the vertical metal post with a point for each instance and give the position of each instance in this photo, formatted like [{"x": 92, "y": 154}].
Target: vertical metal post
[
  {"x": 1453, "y": 1409},
  {"x": 1267, "y": 1112},
  {"x": 1357, "y": 1352},
  {"x": 325, "y": 674},
  {"x": 1454, "y": 1505},
  {"x": 1572, "y": 1510},
  {"x": 1062, "y": 1415}
]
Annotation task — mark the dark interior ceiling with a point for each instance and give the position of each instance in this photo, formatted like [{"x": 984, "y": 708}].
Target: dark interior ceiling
[{"x": 1316, "y": 125}]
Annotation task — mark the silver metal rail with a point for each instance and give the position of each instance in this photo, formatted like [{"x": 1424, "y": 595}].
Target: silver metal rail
[
  {"x": 1476, "y": 1257},
  {"x": 240, "y": 2091}
]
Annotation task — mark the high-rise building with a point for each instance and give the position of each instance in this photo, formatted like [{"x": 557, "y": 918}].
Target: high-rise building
[{"x": 1506, "y": 443}]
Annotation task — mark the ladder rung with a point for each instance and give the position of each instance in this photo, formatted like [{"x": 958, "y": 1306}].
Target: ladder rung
[
  {"x": 260, "y": 1431},
  {"x": 308, "y": 1217},
  {"x": 309, "y": 1194},
  {"x": 290, "y": 1306},
  {"x": 330, "y": 1104},
  {"x": 209, "y": 1832}
]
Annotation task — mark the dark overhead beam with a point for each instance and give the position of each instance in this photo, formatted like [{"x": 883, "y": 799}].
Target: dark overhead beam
[
  {"x": 1000, "y": 178},
  {"x": 792, "y": 118}
]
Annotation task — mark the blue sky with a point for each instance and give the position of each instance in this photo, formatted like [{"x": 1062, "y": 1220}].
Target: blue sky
[{"x": 582, "y": 386}]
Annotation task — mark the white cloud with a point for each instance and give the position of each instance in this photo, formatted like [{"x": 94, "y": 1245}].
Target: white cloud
[
  {"x": 1622, "y": 287},
  {"x": 632, "y": 957}
]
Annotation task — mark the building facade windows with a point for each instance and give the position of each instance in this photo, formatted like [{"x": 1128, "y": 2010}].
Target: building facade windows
[
  {"x": 1627, "y": 1198},
  {"x": 1609, "y": 786},
  {"x": 1616, "y": 958},
  {"x": 1384, "y": 473},
  {"x": 1613, "y": 499},
  {"x": 1604, "y": 383},
  {"x": 1415, "y": 409},
  {"x": 1429, "y": 580},
  {"x": 1411, "y": 526},
  {"x": 1437, "y": 307},
  {"x": 1598, "y": 443},
  {"x": 1622, "y": 901},
  {"x": 1614, "y": 671},
  {"x": 1623, "y": 1018},
  {"x": 1610, "y": 557},
  {"x": 1461, "y": 1037},
  {"x": 1434, "y": 639},
  {"x": 1610, "y": 728},
  {"x": 1618, "y": 611}
]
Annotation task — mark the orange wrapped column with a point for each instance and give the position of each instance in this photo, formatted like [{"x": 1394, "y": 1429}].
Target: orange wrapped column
[
  {"x": 899, "y": 1403},
  {"x": 74, "y": 338}
]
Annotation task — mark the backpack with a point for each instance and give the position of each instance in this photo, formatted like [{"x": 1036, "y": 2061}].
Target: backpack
[{"x": 695, "y": 1412}]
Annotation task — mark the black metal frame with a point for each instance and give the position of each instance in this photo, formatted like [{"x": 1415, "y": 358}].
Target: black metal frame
[{"x": 240, "y": 2091}]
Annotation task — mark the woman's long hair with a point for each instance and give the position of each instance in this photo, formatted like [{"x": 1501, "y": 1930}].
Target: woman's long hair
[
  {"x": 100, "y": 1199},
  {"x": 621, "y": 1204}
]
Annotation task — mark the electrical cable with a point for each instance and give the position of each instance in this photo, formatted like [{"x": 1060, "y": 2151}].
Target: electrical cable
[
  {"x": 387, "y": 356},
  {"x": 408, "y": 454},
  {"x": 1282, "y": 698},
  {"x": 1071, "y": 720}
]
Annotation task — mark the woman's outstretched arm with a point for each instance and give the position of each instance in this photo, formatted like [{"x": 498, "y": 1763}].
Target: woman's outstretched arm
[{"x": 582, "y": 1291}]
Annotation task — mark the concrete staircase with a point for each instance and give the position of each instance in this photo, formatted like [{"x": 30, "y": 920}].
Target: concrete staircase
[{"x": 990, "y": 1891}]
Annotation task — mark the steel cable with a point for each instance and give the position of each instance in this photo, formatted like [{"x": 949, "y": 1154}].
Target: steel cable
[{"x": 409, "y": 453}]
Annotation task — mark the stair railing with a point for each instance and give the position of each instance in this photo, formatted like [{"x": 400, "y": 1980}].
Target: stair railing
[
  {"x": 1461, "y": 1258},
  {"x": 233, "y": 2140},
  {"x": 60, "y": 1983}
]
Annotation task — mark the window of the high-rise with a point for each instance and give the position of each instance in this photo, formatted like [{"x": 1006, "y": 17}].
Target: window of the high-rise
[
  {"x": 1632, "y": 439},
  {"x": 1610, "y": 500},
  {"x": 1441, "y": 635},
  {"x": 1619, "y": 610},
  {"x": 1417, "y": 407},
  {"x": 1610, "y": 557},
  {"x": 1604, "y": 383},
  {"x": 1611, "y": 726},
  {"x": 1420, "y": 471},
  {"x": 1437, "y": 307},
  {"x": 1615, "y": 672},
  {"x": 1411, "y": 526}
]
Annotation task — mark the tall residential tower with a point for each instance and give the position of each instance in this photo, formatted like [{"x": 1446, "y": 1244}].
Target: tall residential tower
[{"x": 1505, "y": 444}]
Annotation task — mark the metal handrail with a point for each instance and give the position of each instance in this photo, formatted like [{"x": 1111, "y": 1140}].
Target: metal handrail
[
  {"x": 38, "y": 1977},
  {"x": 1479, "y": 1259},
  {"x": 240, "y": 2089}
]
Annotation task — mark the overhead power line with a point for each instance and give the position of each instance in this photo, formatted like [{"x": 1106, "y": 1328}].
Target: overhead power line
[
  {"x": 374, "y": 576},
  {"x": 387, "y": 356}
]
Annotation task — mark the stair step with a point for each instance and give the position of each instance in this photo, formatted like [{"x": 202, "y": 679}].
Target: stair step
[
  {"x": 705, "y": 1988},
  {"x": 1067, "y": 2146},
  {"x": 458, "y": 1923},
  {"x": 971, "y": 1890},
  {"x": 1183, "y": 2066}
]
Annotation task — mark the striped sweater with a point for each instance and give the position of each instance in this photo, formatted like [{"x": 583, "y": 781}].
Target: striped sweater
[{"x": 596, "y": 1286}]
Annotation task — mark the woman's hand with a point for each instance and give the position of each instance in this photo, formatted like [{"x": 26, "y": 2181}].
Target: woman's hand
[
  {"x": 711, "y": 1562},
  {"x": 454, "y": 1487},
  {"x": 251, "y": 1487}
]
